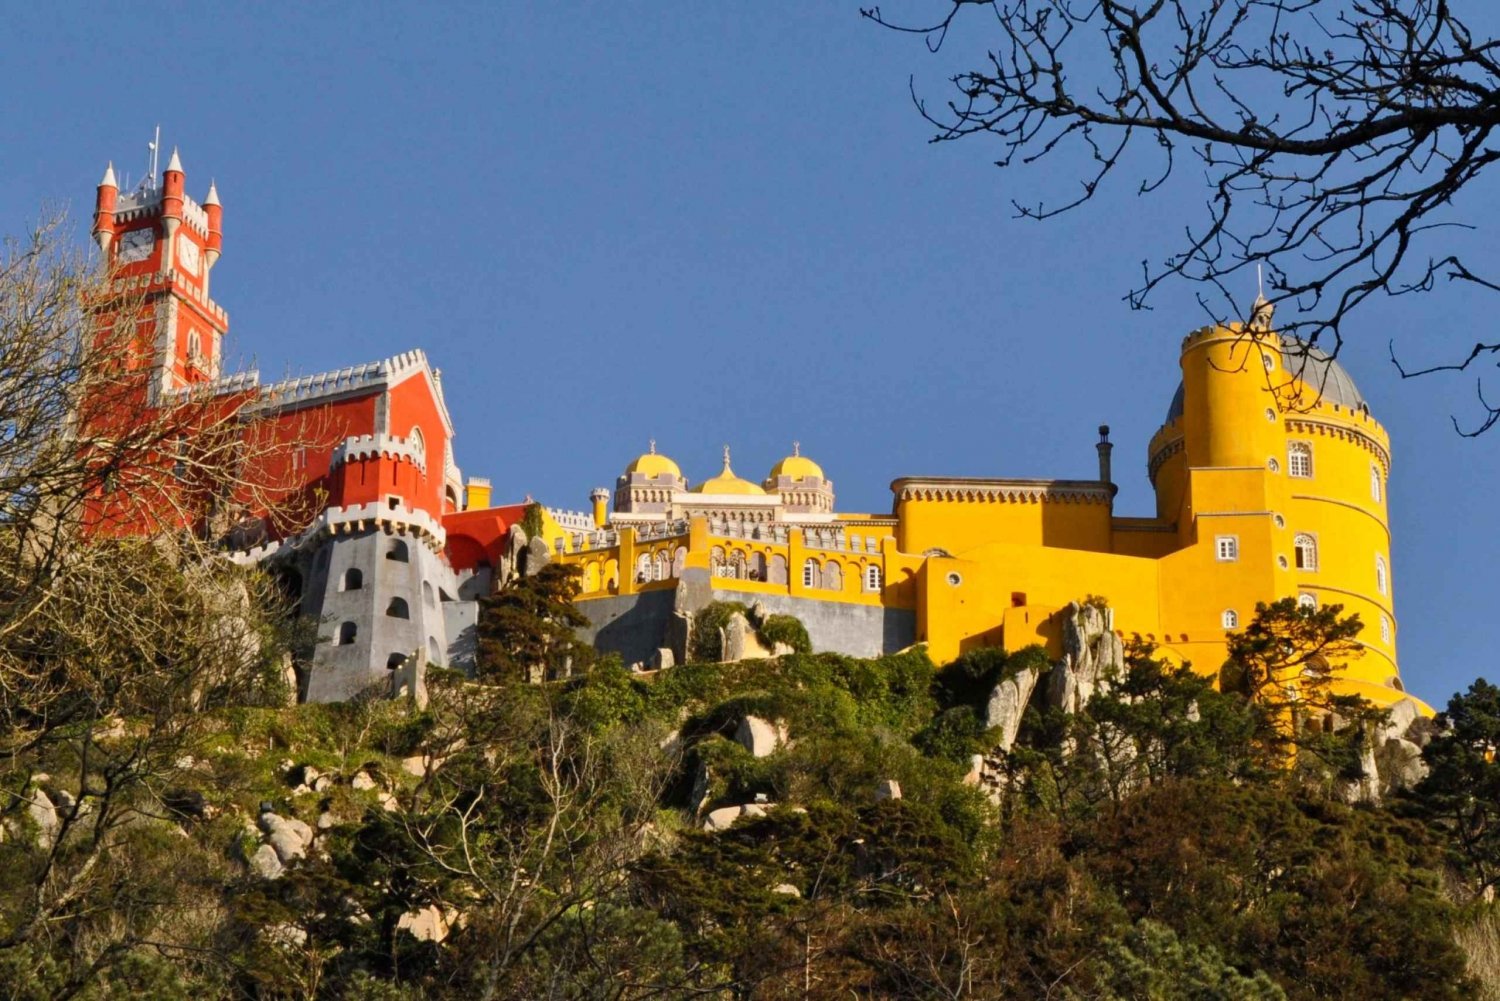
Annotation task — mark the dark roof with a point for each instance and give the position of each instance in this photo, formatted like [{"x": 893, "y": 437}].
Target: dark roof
[{"x": 1320, "y": 372}]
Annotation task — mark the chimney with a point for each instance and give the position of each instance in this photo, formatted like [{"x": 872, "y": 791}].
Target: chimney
[{"x": 1105, "y": 448}]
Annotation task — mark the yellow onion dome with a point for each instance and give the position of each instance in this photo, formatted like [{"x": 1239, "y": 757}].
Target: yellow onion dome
[
  {"x": 652, "y": 465},
  {"x": 728, "y": 483},
  {"x": 797, "y": 466}
]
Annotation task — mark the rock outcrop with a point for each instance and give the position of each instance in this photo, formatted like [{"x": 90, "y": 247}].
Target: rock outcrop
[
  {"x": 759, "y": 736},
  {"x": 1008, "y": 703},
  {"x": 1092, "y": 655}
]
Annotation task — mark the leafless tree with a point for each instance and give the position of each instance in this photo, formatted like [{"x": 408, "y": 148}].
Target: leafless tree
[
  {"x": 1336, "y": 137},
  {"x": 120, "y": 618}
]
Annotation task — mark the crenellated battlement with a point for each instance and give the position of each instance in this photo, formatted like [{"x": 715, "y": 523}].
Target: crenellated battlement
[{"x": 376, "y": 446}]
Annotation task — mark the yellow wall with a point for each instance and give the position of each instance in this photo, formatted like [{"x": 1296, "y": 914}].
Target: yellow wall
[{"x": 990, "y": 562}]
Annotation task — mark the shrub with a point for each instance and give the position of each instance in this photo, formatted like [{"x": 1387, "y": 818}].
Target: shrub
[{"x": 786, "y": 629}]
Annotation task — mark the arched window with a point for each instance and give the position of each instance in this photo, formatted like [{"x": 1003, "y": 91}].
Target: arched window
[
  {"x": 1307, "y": 551},
  {"x": 418, "y": 443},
  {"x": 398, "y": 609},
  {"x": 427, "y": 595},
  {"x": 1299, "y": 459},
  {"x": 394, "y": 661},
  {"x": 716, "y": 561},
  {"x": 758, "y": 566},
  {"x": 872, "y": 577},
  {"x": 354, "y": 579},
  {"x": 1382, "y": 583},
  {"x": 1375, "y": 484},
  {"x": 1230, "y": 619},
  {"x": 737, "y": 565},
  {"x": 195, "y": 349},
  {"x": 347, "y": 632},
  {"x": 833, "y": 576},
  {"x": 643, "y": 568},
  {"x": 810, "y": 573},
  {"x": 434, "y": 655},
  {"x": 679, "y": 561},
  {"x": 1306, "y": 600},
  {"x": 1385, "y": 629},
  {"x": 397, "y": 551},
  {"x": 661, "y": 565},
  {"x": 776, "y": 572},
  {"x": 591, "y": 578}
]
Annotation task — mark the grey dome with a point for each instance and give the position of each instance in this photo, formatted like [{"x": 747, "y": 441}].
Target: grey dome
[{"x": 1318, "y": 370}]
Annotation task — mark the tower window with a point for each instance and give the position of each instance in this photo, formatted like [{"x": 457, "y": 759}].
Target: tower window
[
  {"x": 194, "y": 348},
  {"x": 398, "y": 552},
  {"x": 347, "y": 632},
  {"x": 1299, "y": 459},
  {"x": 1230, "y": 619},
  {"x": 810, "y": 573},
  {"x": 1385, "y": 629},
  {"x": 398, "y": 609},
  {"x": 1227, "y": 548},
  {"x": 872, "y": 578},
  {"x": 1267, "y": 360},
  {"x": 354, "y": 579},
  {"x": 1305, "y": 600},
  {"x": 1375, "y": 484},
  {"x": 1382, "y": 583},
  {"x": 1307, "y": 551}
]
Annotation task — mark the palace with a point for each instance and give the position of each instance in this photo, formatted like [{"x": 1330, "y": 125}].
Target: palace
[{"x": 1269, "y": 473}]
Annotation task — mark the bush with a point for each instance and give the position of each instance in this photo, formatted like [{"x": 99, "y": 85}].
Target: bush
[
  {"x": 786, "y": 629},
  {"x": 707, "y": 645}
]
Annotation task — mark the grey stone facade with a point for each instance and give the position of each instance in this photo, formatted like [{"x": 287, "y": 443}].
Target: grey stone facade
[{"x": 380, "y": 599}]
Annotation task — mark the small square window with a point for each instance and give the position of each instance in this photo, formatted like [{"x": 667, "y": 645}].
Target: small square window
[{"x": 1227, "y": 548}]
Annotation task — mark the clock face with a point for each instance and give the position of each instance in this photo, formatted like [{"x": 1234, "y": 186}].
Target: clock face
[
  {"x": 136, "y": 245},
  {"x": 187, "y": 255}
]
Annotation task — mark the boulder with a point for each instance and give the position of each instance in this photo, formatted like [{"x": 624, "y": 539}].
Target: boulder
[
  {"x": 887, "y": 789},
  {"x": 759, "y": 736},
  {"x": 389, "y": 803},
  {"x": 323, "y": 783},
  {"x": 1399, "y": 720},
  {"x": 43, "y": 814},
  {"x": 787, "y": 889},
  {"x": 724, "y": 817},
  {"x": 265, "y": 863},
  {"x": 662, "y": 659},
  {"x": 326, "y": 820},
  {"x": 428, "y": 924},
  {"x": 289, "y": 836},
  {"x": 1092, "y": 656},
  {"x": 739, "y": 641},
  {"x": 1401, "y": 765},
  {"x": 307, "y": 775},
  {"x": 362, "y": 781},
  {"x": 1008, "y": 703}
]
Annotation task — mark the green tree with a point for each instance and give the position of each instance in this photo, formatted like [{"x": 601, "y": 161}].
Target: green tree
[
  {"x": 1461, "y": 793},
  {"x": 527, "y": 630}
]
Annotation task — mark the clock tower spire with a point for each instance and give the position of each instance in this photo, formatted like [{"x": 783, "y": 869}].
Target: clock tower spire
[{"x": 160, "y": 245}]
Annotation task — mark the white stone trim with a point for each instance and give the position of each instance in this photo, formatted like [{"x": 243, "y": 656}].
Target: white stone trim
[{"x": 371, "y": 446}]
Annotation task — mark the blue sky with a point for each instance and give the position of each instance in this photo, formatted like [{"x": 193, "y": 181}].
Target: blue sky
[{"x": 627, "y": 221}]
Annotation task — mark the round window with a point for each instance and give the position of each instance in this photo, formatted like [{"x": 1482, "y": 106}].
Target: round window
[
  {"x": 1281, "y": 562},
  {"x": 1278, "y": 520},
  {"x": 1270, "y": 414},
  {"x": 954, "y": 579},
  {"x": 1273, "y": 465}
]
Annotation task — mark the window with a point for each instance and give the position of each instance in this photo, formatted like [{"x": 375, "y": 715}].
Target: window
[
  {"x": 1305, "y": 600},
  {"x": 398, "y": 609},
  {"x": 833, "y": 576},
  {"x": 397, "y": 551},
  {"x": 1267, "y": 360},
  {"x": 392, "y": 501},
  {"x": 1230, "y": 619},
  {"x": 1382, "y": 584},
  {"x": 1307, "y": 551},
  {"x": 195, "y": 350},
  {"x": 354, "y": 579},
  {"x": 1385, "y": 629},
  {"x": 1375, "y": 484},
  {"x": 1273, "y": 465},
  {"x": 810, "y": 573},
  {"x": 1270, "y": 414},
  {"x": 1227, "y": 547},
  {"x": 643, "y": 568},
  {"x": 1281, "y": 562},
  {"x": 418, "y": 443},
  {"x": 954, "y": 578},
  {"x": 434, "y": 655},
  {"x": 872, "y": 578},
  {"x": 347, "y": 632},
  {"x": 427, "y": 595},
  {"x": 394, "y": 661},
  {"x": 1299, "y": 459},
  {"x": 1278, "y": 521}
]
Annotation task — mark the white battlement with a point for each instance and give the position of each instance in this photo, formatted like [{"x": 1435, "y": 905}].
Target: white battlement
[
  {"x": 340, "y": 520},
  {"x": 370, "y": 446},
  {"x": 573, "y": 521}
]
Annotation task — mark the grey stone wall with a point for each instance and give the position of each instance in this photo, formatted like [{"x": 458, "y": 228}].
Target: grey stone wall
[
  {"x": 342, "y": 666},
  {"x": 634, "y": 626}
]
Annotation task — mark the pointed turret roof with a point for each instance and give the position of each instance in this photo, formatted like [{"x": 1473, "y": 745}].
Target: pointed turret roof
[
  {"x": 213, "y": 194},
  {"x": 109, "y": 177},
  {"x": 176, "y": 162}
]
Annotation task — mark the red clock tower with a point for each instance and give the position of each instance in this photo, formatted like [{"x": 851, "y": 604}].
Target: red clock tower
[{"x": 161, "y": 246}]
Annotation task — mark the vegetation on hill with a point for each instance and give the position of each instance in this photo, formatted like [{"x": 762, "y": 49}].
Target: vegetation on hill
[{"x": 567, "y": 839}]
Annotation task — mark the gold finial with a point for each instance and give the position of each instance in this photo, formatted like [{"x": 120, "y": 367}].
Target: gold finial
[
  {"x": 796, "y": 449},
  {"x": 653, "y": 446}
]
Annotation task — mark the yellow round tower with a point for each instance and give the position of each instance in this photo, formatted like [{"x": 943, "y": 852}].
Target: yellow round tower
[{"x": 1274, "y": 473}]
